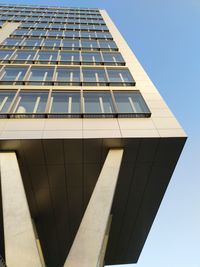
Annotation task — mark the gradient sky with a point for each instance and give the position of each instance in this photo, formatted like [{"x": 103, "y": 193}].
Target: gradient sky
[{"x": 165, "y": 36}]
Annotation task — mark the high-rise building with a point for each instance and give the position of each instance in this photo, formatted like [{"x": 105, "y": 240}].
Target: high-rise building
[{"x": 88, "y": 145}]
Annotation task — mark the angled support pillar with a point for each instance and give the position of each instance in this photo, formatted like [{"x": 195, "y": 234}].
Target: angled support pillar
[
  {"x": 20, "y": 244},
  {"x": 89, "y": 244}
]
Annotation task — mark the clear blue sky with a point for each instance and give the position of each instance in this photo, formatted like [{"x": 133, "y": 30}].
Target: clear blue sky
[{"x": 165, "y": 36}]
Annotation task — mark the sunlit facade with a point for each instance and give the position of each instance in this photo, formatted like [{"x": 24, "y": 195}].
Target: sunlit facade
[{"x": 72, "y": 94}]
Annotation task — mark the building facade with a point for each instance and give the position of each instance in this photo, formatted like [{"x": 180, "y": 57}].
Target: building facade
[{"x": 77, "y": 110}]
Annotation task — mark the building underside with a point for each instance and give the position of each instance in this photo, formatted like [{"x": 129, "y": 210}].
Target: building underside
[{"x": 59, "y": 177}]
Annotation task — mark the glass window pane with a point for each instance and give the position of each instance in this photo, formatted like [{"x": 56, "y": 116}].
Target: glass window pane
[
  {"x": 5, "y": 100},
  {"x": 65, "y": 102},
  {"x": 98, "y": 102},
  {"x": 5, "y": 54},
  {"x": 89, "y": 44},
  {"x": 69, "y": 56},
  {"x": 31, "y": 102},
  {"x": 113, "y": 57},
  {"x": 107, "y": 44},
  {"x": 13, "y": 73},
  {"x": 32, "y": 42},
  {"x": 68, "y": 74},
  {"x": 51, "y": 43},
  {"x": 23, "y": 55},
  {"x": 130, "y": 102},
  {"x": 47, "y": 56},
  {"x": 71, "y": 34},
  {"x": 120, "y": 75},
  {"x": 12, "y": 41},
  {"x": 94, "y": 75},
  {"x": 41, "y": 74},
  {"x": 91, "y": 57},
  {"x": 71, "y": 43}
]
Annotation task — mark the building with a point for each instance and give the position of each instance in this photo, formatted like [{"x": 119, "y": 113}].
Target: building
[{"x": 76, "y": 107}]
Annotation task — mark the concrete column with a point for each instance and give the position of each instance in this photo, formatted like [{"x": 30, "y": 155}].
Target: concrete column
[
  {"x": 7, "y": 29},
  {"x": 20, "y": 244},
  {"x": 88, "y": 245}
]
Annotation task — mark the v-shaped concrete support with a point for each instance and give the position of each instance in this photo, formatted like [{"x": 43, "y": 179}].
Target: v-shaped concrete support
[
  {"x": 87, "y": 248},
  {"x": 20, "y": 244}
]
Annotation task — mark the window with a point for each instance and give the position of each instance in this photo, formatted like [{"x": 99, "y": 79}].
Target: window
[
  {"x": 6, "y": 99},
  {"x": 89, "y": 45},
  {"x": 130, "y": 102},
  {"x": 91, "y": 75},
  {"x": 32, "y": 42},
  {"x": 23, "y": 55},
  {"x": 91, "y": 58},
  {"x": 5, "y": 54},
  {"x": 104, "y": 35},
  {"x": 100, "y": 102},
  {"x": 12, "y": 41},
  {"x": 31, "y": 102},
  {"x": 46, "y": 56},
  {"x": 88, "y": 34},
  {"x": 69, "y": 57},
  {"x": 71, "y": 44},
  {"x": 38, "y": 32},
  {"x": 68, "y": 75},
  {"x": 113, "y": 58},
  {"x": 65, "y": 102},
  {"x": 55, "y": 33},
  {"x": 120, "y": 76},
  {"x": 71, "y": 34},
  {"x": 108, "y": 45},
  {"x": 20, "y": 32},
  {"x": 51, "y": 43},
  {"x": 40, "y": 74},
  {"x": 12, "y": 74}
]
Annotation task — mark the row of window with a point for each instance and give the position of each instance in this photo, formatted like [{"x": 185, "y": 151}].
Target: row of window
[
  {"x": 42, "y": 25},
  {"x": 50, "y": 11},
  {"x": 45, "y": 8},
  {"x": 65, "y": 102},
  {"x": 60, "y": 43},
  {"x": 93, "y": 35},
  {"x": 66, "y": 75},
  {"x": 61, "y": 57},
  {"x": 67, "y": 27},
  {"x": 60, "y": 33},
  {"x": 46, "y": 19},
  {"x": 48, "y": 14}
]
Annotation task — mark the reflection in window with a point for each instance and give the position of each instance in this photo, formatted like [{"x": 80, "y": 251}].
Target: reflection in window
[
  {"x": 32, "y": 42},
  {"x": 65, "y": 102},
  {"x": 23, "y": 55},
  {"x": 130, "y": 102},
  {"x": 70, "y": 56},
  {"x": 71, "y": 43},
  {"x": 68, "y": 75},
  {"x": 5, "y": 100},
  {"x": 94, "y": 75},
  {"x": 47, "y": 56},
  {"x": 91, "y": 57},
  {"x": 51, "y": 43},
  {"x": 5, "y": 54},
  {"x": 40, "y": 74},
  {"x": 98, "y": 102},
  {"x": 120, "y": 76},
  {"x": 12, "y": 41},
  {"x": 107, "y": 45},
  {"x": 13, "y": 73},
  {"x": 113, "y": 57},
  {"x": 89, "y": 44},
  {"x": 31, "y": 102}
]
